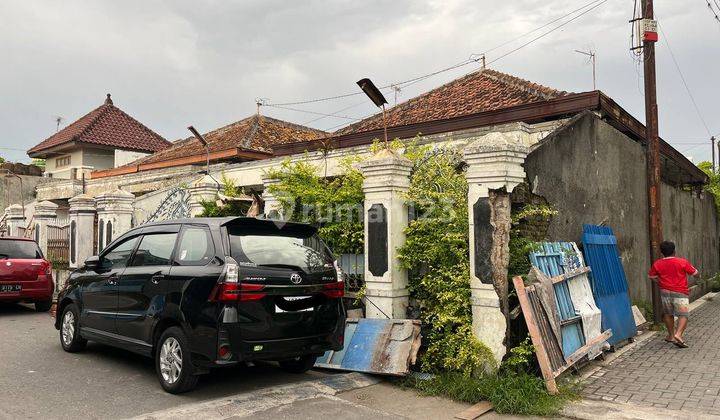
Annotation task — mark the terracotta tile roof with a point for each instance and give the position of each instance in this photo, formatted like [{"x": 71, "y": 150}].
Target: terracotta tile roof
[
  {"x": 258, "y": 133},
  {"x": 480, "y": 91},
  {"x": 106, "y": 125}
]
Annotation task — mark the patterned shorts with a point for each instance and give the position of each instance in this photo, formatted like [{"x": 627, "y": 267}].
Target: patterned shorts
[{"x": 674, "y": 303}]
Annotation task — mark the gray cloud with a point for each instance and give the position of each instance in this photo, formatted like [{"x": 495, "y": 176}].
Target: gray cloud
[{"x": 175, "y": 63}]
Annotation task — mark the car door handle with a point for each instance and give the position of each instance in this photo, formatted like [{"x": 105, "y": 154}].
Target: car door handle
[
  {"x": 157, "y": 277},
  {"x": 112, "y": 280}
]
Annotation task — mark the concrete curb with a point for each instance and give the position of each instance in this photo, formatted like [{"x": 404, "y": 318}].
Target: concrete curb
[{"x": 252, "y": 402}]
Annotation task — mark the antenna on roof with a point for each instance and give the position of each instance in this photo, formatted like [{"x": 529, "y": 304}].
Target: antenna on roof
[
  {"x": 108, "y": 100},
  {"x": 591, "y": 56},
  {"x": 58, "y": 120},
  {"x": 480, "y": 58},
  {"x": 397, "y": 90},
  {"x": 260, "y": 102}
]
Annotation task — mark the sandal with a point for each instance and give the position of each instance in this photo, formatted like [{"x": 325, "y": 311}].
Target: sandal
[
  {"x": 668, "y": 341},
  {"x": 681, "y": 344}
]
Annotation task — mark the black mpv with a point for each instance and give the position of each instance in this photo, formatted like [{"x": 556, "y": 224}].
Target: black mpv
[{"x": 200, "y": 293}]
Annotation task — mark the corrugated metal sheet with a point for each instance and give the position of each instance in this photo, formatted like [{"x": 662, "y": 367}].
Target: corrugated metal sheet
[
  {"x": 608, "y": 282},
  {"x": 383, "y": 346},
  {"x": 554, "y": 259}
]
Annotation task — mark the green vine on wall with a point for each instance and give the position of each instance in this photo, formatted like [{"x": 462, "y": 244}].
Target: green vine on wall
[{"x": 436, "y": 253}]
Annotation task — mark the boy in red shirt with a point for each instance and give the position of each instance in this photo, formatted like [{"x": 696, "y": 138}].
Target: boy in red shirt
[{"x": 671, "y": 274}]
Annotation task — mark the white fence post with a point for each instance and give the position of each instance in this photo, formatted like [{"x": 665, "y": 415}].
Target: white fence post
[
  {"x": 45, "y": 213},
  {"x": 82, "y": 229}
]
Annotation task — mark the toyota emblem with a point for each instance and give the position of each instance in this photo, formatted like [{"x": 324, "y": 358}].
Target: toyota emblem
[{"x": 295, "y": 278}]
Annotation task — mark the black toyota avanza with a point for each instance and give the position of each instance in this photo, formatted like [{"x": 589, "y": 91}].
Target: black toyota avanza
[{"x": 200, "y": 293}]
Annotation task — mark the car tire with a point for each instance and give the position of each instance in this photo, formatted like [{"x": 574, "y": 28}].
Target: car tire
[
  {"x": 43, "y": 306},
  {"x": 173, "y": 362},
  {"x": 70, "y": 338},
  {"x": 299, "y": 364}
]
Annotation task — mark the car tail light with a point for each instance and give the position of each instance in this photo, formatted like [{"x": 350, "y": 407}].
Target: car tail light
[
  {"x": 334, "y": 290},
  {"x": 229, "y": 290},
  {"x": 224, "y": 352}
]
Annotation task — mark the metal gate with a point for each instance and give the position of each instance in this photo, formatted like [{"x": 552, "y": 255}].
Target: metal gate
[
  {"x": 608, "y": 282},
  {"x": 58, "y": 244}
]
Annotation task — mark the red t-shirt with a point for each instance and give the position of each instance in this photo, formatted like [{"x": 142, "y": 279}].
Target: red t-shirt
[{"x": 672, "y": 273}]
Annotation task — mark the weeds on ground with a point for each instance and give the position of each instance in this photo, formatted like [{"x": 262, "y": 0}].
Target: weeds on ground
[
  {"x": 510, "y": 393},
  {"x": 511, "y": 390}
]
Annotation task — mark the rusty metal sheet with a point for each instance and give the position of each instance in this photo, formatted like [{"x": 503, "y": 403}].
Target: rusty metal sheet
[{"x": 381, "y": 346}]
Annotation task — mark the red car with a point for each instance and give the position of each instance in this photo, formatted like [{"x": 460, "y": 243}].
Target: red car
[{"x": 25, "y": 275}]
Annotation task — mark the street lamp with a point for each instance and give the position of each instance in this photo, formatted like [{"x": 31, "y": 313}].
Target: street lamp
[
  {"x": 378, "y": 99},
  {"x": 204, "y": 142},
  {"x": 11, "y": 174}
]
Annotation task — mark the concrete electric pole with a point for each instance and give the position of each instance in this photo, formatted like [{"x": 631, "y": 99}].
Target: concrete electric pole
[{"x": 649, "y": 32}]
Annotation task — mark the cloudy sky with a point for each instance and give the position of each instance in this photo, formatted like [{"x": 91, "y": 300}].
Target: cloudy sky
[{"x": 204, "y": 62}]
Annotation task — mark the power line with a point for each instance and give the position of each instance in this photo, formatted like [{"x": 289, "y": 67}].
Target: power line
[
  {"x": 474, "y": 58},
  {"x": 682, "y": 77},
  {"x": 710, "y": 8},
  {"x": 313, "y": 112}
]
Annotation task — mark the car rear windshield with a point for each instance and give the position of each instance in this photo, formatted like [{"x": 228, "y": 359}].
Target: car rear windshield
[
  {"x": 21, "y": 250},
  {"x": 297, "y": 250}
]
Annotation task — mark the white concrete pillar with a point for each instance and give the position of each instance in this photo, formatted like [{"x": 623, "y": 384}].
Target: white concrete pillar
[
  {"x": 204, "y": 189},
  {"x": 387, "y": 178},
  {"x": 272, "y": 208},
  {"x": 45, "y": 213},
  {"x": 114, "y": 209},
  {"x": 82, "y": 228},
  {"x": 15, "y": 219},
  {"x": 494, "y": 163}
]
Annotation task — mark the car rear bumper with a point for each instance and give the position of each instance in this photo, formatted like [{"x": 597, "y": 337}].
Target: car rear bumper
[
  {"x": 286, "y": 348},
  {"x": 31, "y": 292}
]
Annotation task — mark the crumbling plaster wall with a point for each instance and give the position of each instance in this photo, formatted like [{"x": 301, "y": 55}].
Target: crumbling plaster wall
[{"x": 592, "y": 173}]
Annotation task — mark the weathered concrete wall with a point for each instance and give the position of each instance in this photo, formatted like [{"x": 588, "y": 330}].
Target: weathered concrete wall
[
  {"x": 592, "y": 173},
  {"x": 690, "y": 220},
  {"x": 10, "y": 189}
]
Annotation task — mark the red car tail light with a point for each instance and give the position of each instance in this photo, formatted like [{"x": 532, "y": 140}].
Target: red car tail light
[
  {"x": 234, "y": 292},
  {"x": 334, "y": 290}
]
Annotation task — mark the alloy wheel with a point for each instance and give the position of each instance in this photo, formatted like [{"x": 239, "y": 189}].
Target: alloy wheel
[
  {"x": 68, "y": 328},
  {"x": 171, "y": 360}
]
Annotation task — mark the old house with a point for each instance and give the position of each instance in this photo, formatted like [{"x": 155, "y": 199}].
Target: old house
[
  {"x": 582, "y": 153},
  {"x": 104, "y": 138}
]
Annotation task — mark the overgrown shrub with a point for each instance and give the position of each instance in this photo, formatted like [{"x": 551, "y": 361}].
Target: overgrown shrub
[
  {"x": 332, "y": 204},
  {"x": 437, "y": 255}
]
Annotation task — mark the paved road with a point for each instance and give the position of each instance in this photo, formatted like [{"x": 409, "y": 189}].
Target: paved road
[
  {"x": 39, "y": 380},
  {"x": 661, "y": 375}
]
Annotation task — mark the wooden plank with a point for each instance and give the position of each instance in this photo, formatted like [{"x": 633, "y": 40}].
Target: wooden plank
[
  {"x": 475, "y": 411},
  {"x": 582, "y": 351},
  {"x": 535, "y": 336},
  {"x": 572, "y": 274}
]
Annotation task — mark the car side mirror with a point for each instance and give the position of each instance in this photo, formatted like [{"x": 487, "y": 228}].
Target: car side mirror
[{"x": 92, "y": 263}]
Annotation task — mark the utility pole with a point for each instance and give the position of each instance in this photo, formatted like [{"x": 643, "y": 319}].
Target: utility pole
[
  {"x": 649, "y": 31},
  {"x": 712, "y": 140}
]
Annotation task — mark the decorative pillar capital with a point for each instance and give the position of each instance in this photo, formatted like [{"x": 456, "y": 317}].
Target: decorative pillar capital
[
  {"x": 203, "y": 189},
  {"x": 385, "y": 172},
  {"x": 45, "y": 210},
  {"x": 272, "y": 208},
  {"x": 117, "y": 201},
  {"x": 81, "y": 203},
  {"x": 15, "y": 212},
  {"x": 495, "y": 161}
]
